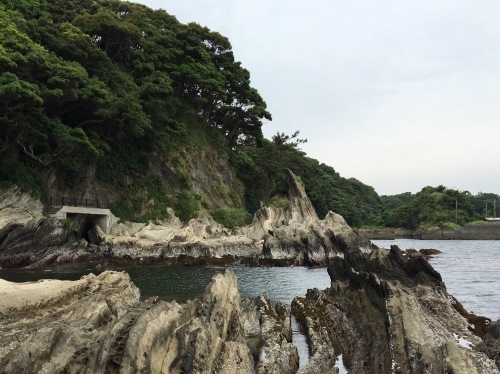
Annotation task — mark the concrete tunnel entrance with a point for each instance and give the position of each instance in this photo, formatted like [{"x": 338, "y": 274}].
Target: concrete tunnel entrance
[{"x": 90, "y": 217}]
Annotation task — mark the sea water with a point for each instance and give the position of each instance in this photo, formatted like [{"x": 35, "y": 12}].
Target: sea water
[{"x": 183, "y": 283}]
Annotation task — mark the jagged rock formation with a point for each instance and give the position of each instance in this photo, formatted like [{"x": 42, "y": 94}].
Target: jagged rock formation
[
  {"x": 388, "y": 314},
  {"x": 269, "y": 335},
  {"x": 295, "y": 233},
  {"x": 98, "y": 325},
  {"x": 40, "y": 241},
  {"x": 280, "y": 236}
]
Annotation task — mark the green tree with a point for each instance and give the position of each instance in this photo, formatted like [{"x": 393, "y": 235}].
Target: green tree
[{"x": 432, "y": 206}]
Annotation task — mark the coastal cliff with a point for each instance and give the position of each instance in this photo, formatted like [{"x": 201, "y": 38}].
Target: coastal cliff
[{"x": 293, "y": 235}]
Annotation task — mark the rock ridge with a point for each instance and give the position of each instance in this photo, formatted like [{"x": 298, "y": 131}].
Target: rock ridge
[
  {"x": 277, "y": 236},
  {"x": 98, "y": 325},
  {"x": 386, "y": 313}
]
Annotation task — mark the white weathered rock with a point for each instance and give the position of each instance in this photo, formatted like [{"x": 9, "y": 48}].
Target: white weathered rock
[
  {"x": 285, "y": 236},
  {"x": 17, "y": 207}
]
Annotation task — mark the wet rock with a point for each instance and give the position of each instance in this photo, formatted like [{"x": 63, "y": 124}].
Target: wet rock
[
  {"x": 428, "y": 253},
  {"x": 491, "y": 342},
  {"x": 314, "y": 323}
]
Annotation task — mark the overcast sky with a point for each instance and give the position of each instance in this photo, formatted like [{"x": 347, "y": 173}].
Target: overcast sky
[{"x": 398, "y": 94}]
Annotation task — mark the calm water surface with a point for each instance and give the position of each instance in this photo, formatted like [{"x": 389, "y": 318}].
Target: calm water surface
[
  {"x": 183, "y": 283},
  {"x": 470, "y": 270}
]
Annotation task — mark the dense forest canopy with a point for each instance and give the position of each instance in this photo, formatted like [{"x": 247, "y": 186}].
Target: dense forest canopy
[
  {"x": 79, "y": 76},
  {"x": 113, "y": 84}
]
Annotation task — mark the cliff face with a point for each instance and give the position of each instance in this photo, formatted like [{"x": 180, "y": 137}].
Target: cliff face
[{"x": 205, "y": 172}]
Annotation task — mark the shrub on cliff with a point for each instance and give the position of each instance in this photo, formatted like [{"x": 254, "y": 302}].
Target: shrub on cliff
[{"x": 231, "y": 218}]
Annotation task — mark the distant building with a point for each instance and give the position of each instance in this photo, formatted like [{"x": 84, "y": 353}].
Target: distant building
[{"x": 492, "y": 220}]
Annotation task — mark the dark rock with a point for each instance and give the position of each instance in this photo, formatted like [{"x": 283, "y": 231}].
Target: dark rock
[
  {"x": 429, "y": 252},
  {"x": 491, "y": 342},
  {"x": 387, "y": 313}
]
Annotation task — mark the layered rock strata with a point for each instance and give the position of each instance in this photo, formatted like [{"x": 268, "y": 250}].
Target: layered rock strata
[
  {"x": 269, "y": 335},
  {"x": 388, "y": 314},
  {"x": 98, "y": 325},
  {"x": 277, "y": 236}
]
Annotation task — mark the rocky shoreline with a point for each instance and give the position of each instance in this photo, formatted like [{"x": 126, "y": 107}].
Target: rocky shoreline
[
  {"x": 387, "y": 311},
  {"x": 99, "y": 325},
  {"x": 277, "y": 236}
]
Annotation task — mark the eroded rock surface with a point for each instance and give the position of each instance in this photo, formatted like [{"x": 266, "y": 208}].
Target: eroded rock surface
[
  {"x": 491, "y": 342},
  {"x": 269, "y": 336},
  {"x": 17, "y": 207},
  {"x": 388, "y": 314},
  {"x": 98, "y": 325},
  {"x": 277, "y": 236}
]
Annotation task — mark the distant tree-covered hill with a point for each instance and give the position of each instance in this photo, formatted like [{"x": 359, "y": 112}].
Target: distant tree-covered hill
[{"x": 436, "y": 207}]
